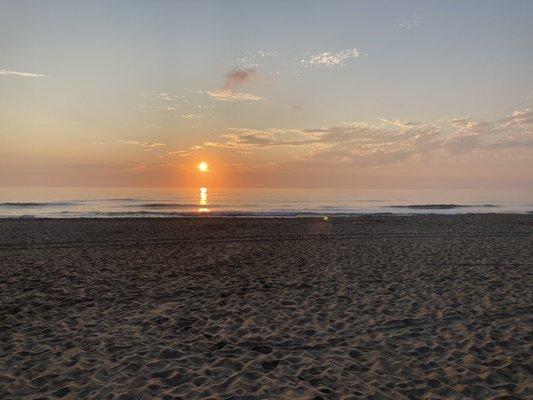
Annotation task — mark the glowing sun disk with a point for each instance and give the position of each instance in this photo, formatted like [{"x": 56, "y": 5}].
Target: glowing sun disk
[{"x": 203, "y": 167}]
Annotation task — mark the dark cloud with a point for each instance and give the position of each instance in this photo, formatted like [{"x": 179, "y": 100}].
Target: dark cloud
[
  {"x": 235, "y": 79},
  {"x": 238, "y": 77}
]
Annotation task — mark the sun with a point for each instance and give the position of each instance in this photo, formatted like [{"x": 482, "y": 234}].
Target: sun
[{"x": 203, "y": 167}]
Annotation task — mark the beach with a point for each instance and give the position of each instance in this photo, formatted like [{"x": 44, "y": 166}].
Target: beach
[{"x": 375, "y": 306}]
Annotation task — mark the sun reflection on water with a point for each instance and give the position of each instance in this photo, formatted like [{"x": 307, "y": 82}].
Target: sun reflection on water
[{"x": 203, "y": 201}]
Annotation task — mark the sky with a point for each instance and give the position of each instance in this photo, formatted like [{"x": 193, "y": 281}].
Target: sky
[{"x": 374, "y": 94}]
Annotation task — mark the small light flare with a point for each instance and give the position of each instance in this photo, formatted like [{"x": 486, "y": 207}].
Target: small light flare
[{"x": 203, "y": 167}]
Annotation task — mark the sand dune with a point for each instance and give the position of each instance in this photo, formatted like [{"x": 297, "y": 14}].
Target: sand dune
[{"x": 389, "y": 307}]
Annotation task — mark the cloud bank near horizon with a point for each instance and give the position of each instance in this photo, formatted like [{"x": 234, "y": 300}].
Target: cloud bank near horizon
[{"x": 388, "y": 142}]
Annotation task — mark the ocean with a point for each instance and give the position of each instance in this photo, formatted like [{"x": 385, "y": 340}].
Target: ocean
[{"x": 88, "y": 202}]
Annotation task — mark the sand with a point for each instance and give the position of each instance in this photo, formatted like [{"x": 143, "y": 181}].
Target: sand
[{"x": 381, "y": 307}]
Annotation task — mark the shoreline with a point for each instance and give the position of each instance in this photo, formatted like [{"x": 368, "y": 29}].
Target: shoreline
[{"x": 178, "y": 215}]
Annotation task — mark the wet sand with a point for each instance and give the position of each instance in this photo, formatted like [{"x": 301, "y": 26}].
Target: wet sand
[{"x": 382, "y": 307}]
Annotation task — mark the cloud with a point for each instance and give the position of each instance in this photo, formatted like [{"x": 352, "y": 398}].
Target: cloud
[
  {"x": 340, "y": 157},
  {"x": 520, "y": 119},
  {"x": 512, "y": 131},
  {"x": 255, "y": 139},
  {"x": 365, "y": 144},
  {"x": 164, "y": 101},
  {"x": 389, "y": 142},
  {"x": 229, "y": 96},
  {"x": 357, "y": 144},
  {"x": 235, "y": 79},
  {"x": 410, "y": 22},
  {"x": 168, "y": 108},
  {"x": 129, "y": 165},
  {"x": 181, "y": 153},
  {"x": 167, "y": 97},
  {"x": 191, "y": 116},
  {"x": 19, "y": 73},
  {"x": 263, "y": 54},
  {"x": 143, "y": 144},
  {"x": 329, "y": 59},
  {"x": 252, "y": 59},
  {"x": 185, "y": 153},
  {"x": 163, "y": 96},
  {"x": 245, "y": 139},
  {"x": 382, "y": 145}
]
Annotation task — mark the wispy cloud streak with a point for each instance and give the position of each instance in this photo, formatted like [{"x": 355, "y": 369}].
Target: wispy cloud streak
[
  {"x": 143, "y": 144},
  {"x": 229, "y": 96},
  {"x": 19, "y": 73}
]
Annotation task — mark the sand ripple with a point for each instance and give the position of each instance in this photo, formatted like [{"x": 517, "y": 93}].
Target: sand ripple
[{"x": 350, "y": 308}]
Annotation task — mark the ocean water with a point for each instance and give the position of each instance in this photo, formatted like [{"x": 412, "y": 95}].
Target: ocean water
[{"x": 62, "y": 202}]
